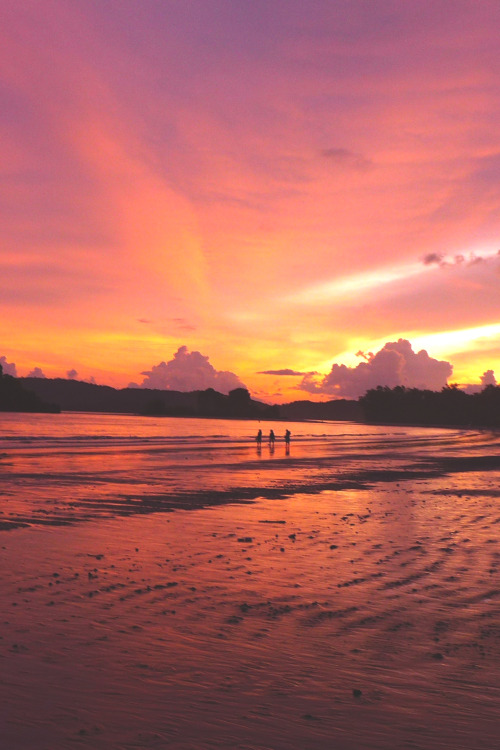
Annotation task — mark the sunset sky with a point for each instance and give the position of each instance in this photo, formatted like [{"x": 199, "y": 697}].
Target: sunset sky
[{"x": 279, "y": 185}]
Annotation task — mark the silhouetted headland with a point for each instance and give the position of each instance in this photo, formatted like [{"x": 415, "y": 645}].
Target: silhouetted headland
[
  {"x": 400, "y": 405},
  {"x": 75, "y": 395},
  {"x": 15, "y": 397}
]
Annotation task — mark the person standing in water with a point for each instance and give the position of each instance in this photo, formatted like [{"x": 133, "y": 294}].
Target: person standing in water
[
  {"x": 271, "y": 438},
  {"x": 258, "y": 439},
  {"x": 288, "y": 435}
]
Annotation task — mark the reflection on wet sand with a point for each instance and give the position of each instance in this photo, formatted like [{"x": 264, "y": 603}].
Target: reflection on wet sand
[{"x": 346, "y": 601}]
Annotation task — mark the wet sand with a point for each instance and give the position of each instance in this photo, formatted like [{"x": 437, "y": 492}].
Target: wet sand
[{"x": 363, "y": 613}]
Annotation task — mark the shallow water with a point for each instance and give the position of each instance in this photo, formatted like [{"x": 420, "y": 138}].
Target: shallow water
[
  {"x": 57, "y": 469},
  {"x": 366, "y": 560}
]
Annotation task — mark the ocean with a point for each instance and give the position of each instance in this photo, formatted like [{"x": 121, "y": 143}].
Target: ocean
[{"x": 64, "y": 468}]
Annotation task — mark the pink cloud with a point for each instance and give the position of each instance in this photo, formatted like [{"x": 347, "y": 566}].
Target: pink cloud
[
  {"x": 488, "y": 378},
  {"x": 189, "y": 371},
  {"x": 395, "y": 364},
  {"x": 9, "y": 368}
]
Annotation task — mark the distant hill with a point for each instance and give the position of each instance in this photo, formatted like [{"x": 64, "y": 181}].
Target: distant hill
[
  {"x": 15, "y": 397},
  {"x": 74, "y": 395},
  {"x": 450, "y": 406}
]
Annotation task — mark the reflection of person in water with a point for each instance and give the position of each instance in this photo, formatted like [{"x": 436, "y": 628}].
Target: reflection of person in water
[
  {"x": 271, "y": 438},
  {"x": 288, "y": 435}
]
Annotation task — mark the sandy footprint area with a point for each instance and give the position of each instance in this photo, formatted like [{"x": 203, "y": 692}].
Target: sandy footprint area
[{"x": 352, "y": 619}]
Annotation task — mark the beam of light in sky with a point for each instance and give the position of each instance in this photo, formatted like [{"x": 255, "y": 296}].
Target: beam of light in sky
[
  {"x": 358, "y": 283},
  {"x": 447, "y": 343},
  {"x": 372, "y": 281}
]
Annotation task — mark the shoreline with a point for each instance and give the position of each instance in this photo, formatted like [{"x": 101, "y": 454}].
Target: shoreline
[{"x": 270, "y": 420}]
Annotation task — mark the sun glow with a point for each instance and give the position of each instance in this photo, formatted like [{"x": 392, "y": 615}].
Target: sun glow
[
  {"x": 442, "y": 344},
  {"x": 153, "y": 202},
  {"x": 447, "y": 343}
]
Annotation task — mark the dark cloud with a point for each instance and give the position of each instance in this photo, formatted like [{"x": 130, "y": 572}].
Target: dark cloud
[
  {"x": 9, "y": 368},
  {"x": 165, "y": 326},
  {"x": 432, "y": 258},
  {"x": 281, "y": 372},
  {"x": 395, "y": 364},
  {"x": 441, "y": 260},
  {"x": 188, "y": 371},
  {"x": 71, "y": 374},
  {"x": 346, "y": 159},
  {"x": 182, "y": 324},
  {"x": 36, "y": 373}
]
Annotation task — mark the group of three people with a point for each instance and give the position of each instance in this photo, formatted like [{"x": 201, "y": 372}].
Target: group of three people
[{"x": 272, "y": 437}]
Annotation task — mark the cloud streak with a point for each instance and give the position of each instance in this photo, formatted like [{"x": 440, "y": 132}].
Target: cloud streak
[
  {"x": 286, "y": 371},
  {"x": 346, "y": 159}
]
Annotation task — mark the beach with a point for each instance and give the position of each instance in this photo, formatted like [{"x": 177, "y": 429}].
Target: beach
[{"x": 166, "y": 584}]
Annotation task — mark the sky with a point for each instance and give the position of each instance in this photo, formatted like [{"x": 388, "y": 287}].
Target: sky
[{"x": 301, "y": 198}]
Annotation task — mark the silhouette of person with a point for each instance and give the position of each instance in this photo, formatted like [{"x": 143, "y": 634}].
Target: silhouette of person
[
  {"x": 287, "y": 441},
  {"x": 258, "y": 439},
  {"x": 271, "y": 438}
]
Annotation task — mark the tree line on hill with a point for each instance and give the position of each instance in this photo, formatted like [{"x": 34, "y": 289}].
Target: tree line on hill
[
  {"x": 400, "y": 405},
  {"x": 450, "y": 406},
  {"x": 74, "y": 395}
]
